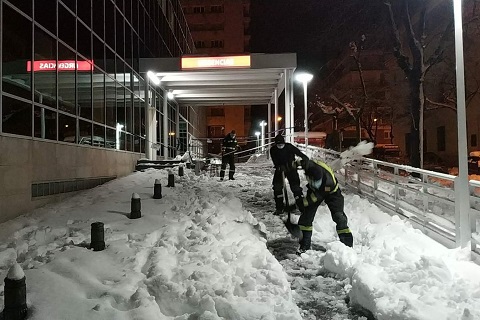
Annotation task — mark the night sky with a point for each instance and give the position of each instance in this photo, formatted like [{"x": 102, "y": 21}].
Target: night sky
[{"x": 316, "y": 30}]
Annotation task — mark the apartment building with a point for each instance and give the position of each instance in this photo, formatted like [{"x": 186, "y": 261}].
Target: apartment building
[{"x": 221, "y": 27}]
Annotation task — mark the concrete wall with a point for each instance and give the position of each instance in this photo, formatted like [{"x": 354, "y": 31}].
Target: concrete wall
[{"x": 24, "y": 161}]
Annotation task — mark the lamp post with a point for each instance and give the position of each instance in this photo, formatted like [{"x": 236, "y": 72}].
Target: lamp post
[
  {"x": 305, "y": 78},
  {"x": 262, "y": 125},
  {"x": 258, "y": 136},
  {"x": 462, "y": 203}
]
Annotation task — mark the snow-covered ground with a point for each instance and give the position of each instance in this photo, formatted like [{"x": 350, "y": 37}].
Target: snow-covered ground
[{"x": 213, "y": 250}]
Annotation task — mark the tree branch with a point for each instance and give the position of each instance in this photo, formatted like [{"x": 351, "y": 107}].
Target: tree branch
[
  {"x": 402, "y": 59},
  {"x": 440, "y": 105},
  {"x": 438, "y": 54}
]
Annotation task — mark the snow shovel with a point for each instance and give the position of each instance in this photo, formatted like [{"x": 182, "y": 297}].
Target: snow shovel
[{"x": 293, "y": 229}]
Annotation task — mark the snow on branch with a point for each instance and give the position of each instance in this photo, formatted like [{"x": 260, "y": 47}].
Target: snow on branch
[{"x": 351, "y": 110}]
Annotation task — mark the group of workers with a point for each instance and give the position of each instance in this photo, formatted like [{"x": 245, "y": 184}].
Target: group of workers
[{"x": 322, "y": 186}]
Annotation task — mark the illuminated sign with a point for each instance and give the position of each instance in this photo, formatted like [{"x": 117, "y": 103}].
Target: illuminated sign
[
  {"x": 63, "y": 65},
  {"x": 216, "y": 62}
]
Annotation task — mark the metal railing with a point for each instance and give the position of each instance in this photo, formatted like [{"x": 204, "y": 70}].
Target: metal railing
[{"x": 425, "y": 198}]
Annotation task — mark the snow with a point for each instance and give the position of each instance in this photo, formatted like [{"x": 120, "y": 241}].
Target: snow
[
  {"x": 213, "y": 250},
  {"x": 15, "y": 272}
]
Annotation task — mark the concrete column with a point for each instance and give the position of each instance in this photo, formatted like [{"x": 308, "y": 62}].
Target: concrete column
[
  {"x": 292, "y": 106},
  {"x": 153, "y": 125},
  {"x": 275, "y": 102},
  {"x": 287, "y": 103},
  {"x": 165, "y": 124},
  {"x": 270, "y": 125},
  {"x": 148, "y": 140},
  {"x": 177, "y": 129}
]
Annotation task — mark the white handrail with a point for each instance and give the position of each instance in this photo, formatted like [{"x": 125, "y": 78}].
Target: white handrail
[{"x": 426, "y": 198}]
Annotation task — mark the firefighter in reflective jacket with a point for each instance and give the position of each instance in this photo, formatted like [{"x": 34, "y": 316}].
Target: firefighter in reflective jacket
[
  {"x": 322, "y": 186},
  {"x": 229, "y": 147}
]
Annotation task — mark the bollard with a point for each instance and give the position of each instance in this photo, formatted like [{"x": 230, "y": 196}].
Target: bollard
[
  {"x": 15, "y": 294},
  {"x": 197, "y": 168},
  {"x": 171, "y": 180},
  {"x": 97, "y": 236},
  {"x": 189, "y": 165},
  {"x": 136, "y": 207},
  {"x": 180, "y": 171},
  {"x": 157, "y": 189}
]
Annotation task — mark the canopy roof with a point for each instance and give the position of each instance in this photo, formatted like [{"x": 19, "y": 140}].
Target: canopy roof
[{"x": 224, "y": 80}]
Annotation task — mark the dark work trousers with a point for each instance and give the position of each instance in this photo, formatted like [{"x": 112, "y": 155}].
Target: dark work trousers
[
  {"x": 228, "y": 157},
  {"x": 334, "y": 201},
  {"x": 278, "y": 183}
]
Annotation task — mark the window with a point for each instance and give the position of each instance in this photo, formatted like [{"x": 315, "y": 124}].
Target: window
[
  {"x": 16, "y": 51},
  {"x": 16, "y": 117},
  {"x": 215, "y": 132},
  {"x": 386, "y": 134},
  {"x": 441, "y": 138},
  {"x": 473, "y": 140},
  {"x": 217, "y": 112},
  {"x": 216, "y": 9},
  {"x": 216, "y": 44},
  {"x": 198, "y": 9}
]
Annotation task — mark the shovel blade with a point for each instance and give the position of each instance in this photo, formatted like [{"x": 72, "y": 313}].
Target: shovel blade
[{"x": 293, "y": 229}]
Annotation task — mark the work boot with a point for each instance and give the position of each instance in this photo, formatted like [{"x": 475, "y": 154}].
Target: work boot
[
  {"x": 305, "y": 242},
  {"x": 346, "y": 239},
  {"x": 232, "y": 178}
]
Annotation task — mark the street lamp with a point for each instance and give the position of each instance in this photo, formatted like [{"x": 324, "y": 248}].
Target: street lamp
[
  {"x": 257, "y": 133},
  {"x": 263, "y": 124},
  {"x": 305, "y": 78},
  {"x": 462, "y": 198}
]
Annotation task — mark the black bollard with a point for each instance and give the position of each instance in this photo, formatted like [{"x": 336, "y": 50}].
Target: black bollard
[
  {"x": 171, "y": 180},
  {"x": 157, "y": 189},
  {"x": 97, "y": 236},
  {"x": 15, "y": 294},
  {"x": 180, "y": 171},
  {"x": 136, "y": 207}
]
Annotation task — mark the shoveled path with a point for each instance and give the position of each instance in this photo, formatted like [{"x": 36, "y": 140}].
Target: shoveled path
[{"x": 319, "y": 294}]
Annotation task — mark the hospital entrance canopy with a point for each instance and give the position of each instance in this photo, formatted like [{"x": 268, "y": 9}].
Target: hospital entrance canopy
[{"x": 223, "y": 80}]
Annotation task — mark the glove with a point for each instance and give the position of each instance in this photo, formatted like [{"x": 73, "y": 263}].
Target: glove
[{"x": 302, "y": 163}]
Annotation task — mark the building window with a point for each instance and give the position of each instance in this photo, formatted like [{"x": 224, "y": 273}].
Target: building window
[
  {"x": 216, "y": 9},
  {"x": 217, "y": 112},
  {"x": 198, "y": 9},
  {"x": 216, "y": 44},
  {"x": 200, "y": 44},
  {"x": 386, "y": 134},
  {"x": 473, "y": 140},
  {"x": 441, "y": 138},
  {"x": 215, "y": 131}
]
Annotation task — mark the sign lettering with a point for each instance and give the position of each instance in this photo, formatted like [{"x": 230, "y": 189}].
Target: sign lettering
[
  {"x": 216, "y": 62},
  {"x": 63, "y": 65}
]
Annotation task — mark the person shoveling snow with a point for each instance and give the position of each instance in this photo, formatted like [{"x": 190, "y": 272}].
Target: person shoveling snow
[{"x": 323, "y": 186}]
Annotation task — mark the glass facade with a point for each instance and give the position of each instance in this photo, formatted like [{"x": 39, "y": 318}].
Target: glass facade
[{"x": 69, "y": 68}]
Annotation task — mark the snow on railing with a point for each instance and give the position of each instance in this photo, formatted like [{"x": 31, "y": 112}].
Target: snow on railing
[{"x": 426, "y": 198}]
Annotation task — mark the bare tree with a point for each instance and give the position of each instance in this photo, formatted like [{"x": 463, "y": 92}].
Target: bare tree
[{"x": 416, "y": 69}]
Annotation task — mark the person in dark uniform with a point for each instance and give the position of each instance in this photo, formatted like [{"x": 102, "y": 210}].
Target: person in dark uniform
[
  {"x": 229, "y": 147},
  {"x": 283, "y": 157},
  {"x": 322, "y": 186}
]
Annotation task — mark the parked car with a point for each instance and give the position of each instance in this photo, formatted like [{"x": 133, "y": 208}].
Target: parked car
[{"x": 473, "y": 165}]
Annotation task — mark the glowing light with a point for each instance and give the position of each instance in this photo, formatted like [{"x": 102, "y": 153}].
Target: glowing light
[{"x": 153, "y": 77}]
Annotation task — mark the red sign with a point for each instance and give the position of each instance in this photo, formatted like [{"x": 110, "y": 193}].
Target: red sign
[{"x": 63, "y": 65}]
